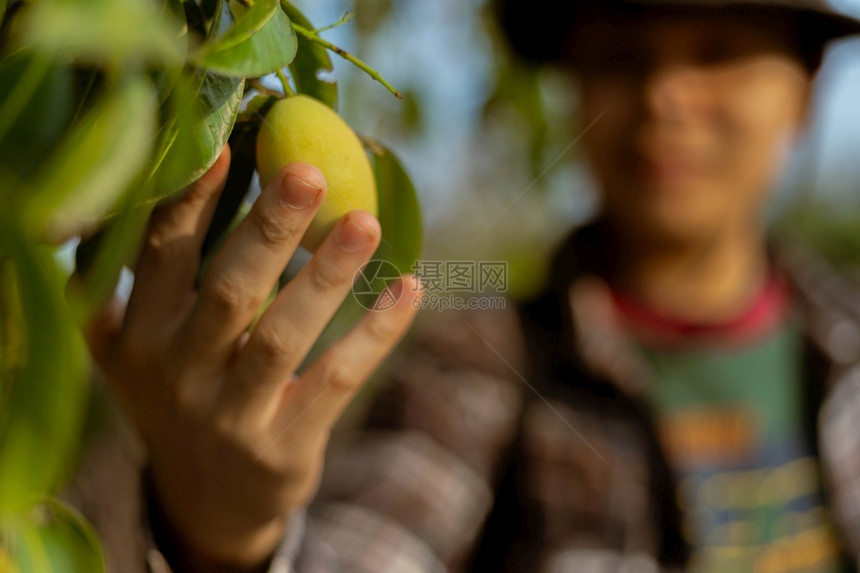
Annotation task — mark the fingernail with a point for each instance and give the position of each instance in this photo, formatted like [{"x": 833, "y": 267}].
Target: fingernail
[
  {"x": 297, "y": 193},
  {"x": 357, "y": 231}
]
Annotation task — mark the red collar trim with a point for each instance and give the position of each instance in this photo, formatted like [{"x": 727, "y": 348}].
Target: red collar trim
[{"x": 768, "y": 309}]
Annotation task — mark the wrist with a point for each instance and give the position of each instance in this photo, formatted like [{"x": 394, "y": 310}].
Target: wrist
[{"x": 250, "y": 551}]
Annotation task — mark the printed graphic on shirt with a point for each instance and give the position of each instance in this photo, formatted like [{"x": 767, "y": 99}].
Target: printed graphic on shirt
[
  {"x": 759, "y": 517},
  {"x": 731, "y": 422}
]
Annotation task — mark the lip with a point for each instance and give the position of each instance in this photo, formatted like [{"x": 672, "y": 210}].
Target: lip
[{"x": 668, "y": 167}]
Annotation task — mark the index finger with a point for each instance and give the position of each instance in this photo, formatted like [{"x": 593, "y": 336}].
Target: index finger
[
  {"x": 169, "y": 258},
  {"x": 247, "y": 267}
]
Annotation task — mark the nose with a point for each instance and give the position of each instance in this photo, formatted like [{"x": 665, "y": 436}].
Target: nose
[{"x": 673, "y": 91}]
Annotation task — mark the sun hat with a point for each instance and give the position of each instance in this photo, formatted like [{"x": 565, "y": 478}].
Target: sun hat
[{"x": 538, "y": 30}]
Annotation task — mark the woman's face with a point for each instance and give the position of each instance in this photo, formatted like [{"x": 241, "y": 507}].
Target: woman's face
[{"x": 692, "y": 117}]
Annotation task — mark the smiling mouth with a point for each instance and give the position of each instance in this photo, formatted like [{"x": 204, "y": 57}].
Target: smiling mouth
[{"x": 668, "y": 167}]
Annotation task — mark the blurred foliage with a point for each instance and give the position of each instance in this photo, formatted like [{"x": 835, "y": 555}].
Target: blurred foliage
[
  {"x": 51, "y": 536},
  {"x": 399, "y": 211},
  {"x": 370, "y": 14},
  {"x": 833, "y": 232},
  {"x": 498, "y": 199},
  {"x": 108, "y": 107},
  {"x": 307, "y": 71}
]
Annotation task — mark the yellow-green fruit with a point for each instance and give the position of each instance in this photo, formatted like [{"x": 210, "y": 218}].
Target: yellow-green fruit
[{"x": 300, "y": 128}]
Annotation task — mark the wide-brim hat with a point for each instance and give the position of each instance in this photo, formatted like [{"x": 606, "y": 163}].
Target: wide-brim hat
[{"x": 538, "y": 29}]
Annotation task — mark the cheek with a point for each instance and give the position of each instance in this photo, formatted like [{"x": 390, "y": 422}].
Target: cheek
[
  {"x": 760, "y": 115},
  {"x": 607, "y": 119}
]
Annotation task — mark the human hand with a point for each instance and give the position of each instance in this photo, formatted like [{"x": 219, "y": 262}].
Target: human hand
[{"x": 235, "y": 439}]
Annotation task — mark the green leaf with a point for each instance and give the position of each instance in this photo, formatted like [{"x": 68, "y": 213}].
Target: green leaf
[
  {"x": 45, "y": 387},
  {"x": 242, "y": 165},
  {"x": 179, "y": 155},
  {"x": 99, "y": 259},
  {"x": 196, "y": 121},
  {"x": 269, "y": 49},
  {"x": 222, "y": 20},
  {"x": 219, "y": 99},
  {"x": 23, "y": 550},
  {"x": 399, "y": 211},
  {"x": 166, "y": 77},
  {"x": 256, "y": 108},
  {"x": 53, "y": 537},
  {"x": 247, "y": 22},
  {"x": 96, "y": 163},
  {"x": 196, "y": 17},
  {"x": 35, "y": 113},
  {"x": 310, "y": 62},
  {"x": 198, "y": 125},
  {"x": 12, "y": 355},
  {"x": 119, "y": 33}
]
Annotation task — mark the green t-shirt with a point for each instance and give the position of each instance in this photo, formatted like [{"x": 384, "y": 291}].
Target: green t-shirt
[{"x": 730, "y": 418}]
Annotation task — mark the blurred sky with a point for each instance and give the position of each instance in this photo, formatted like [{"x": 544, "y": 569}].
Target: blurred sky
[{"x": 440, "y": 49}]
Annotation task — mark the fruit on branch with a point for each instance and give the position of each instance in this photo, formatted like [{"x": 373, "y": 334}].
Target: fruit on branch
[{"x": 300, "y": 128}]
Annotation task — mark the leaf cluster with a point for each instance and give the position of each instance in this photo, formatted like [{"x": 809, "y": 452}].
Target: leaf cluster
[{"x": 108, "y": 107}]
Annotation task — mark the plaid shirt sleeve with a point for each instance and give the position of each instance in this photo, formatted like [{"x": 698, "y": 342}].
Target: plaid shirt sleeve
[{"x": 411, "y": 490}]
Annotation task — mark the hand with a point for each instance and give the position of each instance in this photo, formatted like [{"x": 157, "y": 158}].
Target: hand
[{"x": 235, "y": 438}]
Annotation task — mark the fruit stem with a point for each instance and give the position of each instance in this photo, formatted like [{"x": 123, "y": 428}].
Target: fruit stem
[
  {"x": 312, "y": 36},
  {"x": 258, "y": 85},
  {"x": 285, "y": 83}
]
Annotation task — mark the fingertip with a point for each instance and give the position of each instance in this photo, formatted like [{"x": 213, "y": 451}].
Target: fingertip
[
  {"x": 358, "y": 230},
  {"x": 407, "y": 283},
  {"x": 214, "y": 179},
  {"x": 366, "y": 221},
  {"x": 306, "y": 173},
  {"x": 226, "y": 154},
  {"x": 221, "y": 166}
]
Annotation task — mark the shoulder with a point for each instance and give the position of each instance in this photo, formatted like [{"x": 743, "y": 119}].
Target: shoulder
[
  {"x": 818, "y": 281},
  {"x": 829, "y": 300}
]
